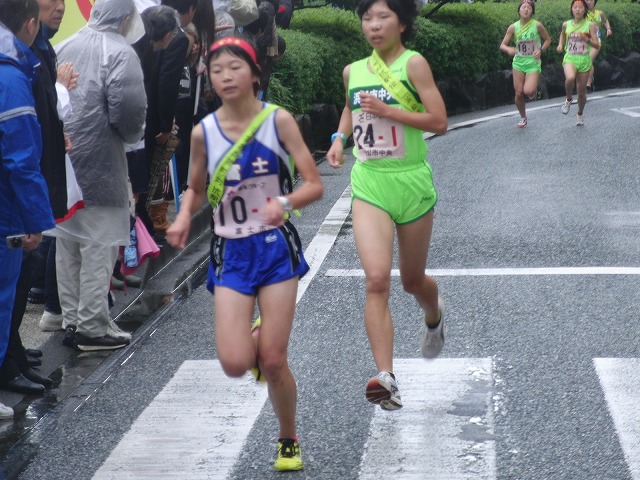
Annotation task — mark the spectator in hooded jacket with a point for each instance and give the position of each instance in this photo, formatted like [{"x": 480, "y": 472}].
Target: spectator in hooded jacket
[{"x": 109, "y": 107}]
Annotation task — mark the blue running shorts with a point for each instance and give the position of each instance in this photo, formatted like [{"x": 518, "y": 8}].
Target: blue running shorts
[{"x": 246, "y": 264}]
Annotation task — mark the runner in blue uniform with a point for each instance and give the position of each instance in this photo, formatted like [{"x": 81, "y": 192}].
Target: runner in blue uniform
[{"x": 256, "y": 254}]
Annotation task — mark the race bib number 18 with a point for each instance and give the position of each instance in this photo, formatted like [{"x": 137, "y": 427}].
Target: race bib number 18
[{"x": 526, "y": 48}]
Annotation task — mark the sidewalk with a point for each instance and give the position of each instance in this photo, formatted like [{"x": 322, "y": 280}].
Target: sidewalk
[{"x": 166, "y": 277}]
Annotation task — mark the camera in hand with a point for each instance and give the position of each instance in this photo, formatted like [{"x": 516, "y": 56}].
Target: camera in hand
[{"x": 14, "y": 241}]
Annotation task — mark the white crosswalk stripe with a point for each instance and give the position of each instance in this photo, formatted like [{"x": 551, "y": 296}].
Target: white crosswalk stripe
[
  {"x": 494, "y": 272},
  {"x": 196, "y": 427},
  {"x": 192, "y": 430},
  {"x": 621, "y": 384},
  {"x": 444, "y": 430}
]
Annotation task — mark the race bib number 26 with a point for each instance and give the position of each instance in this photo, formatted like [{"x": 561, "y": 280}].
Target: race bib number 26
[{"x": 577, "y": 44}]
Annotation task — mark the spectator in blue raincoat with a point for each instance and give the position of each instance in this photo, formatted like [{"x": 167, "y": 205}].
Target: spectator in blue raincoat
[{"x": 24, "y": 201}]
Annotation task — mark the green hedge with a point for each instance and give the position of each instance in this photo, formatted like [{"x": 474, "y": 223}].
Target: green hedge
[
  {"x": 452, "y": 48},
  {"x": 300, "y": 70},
  {"x": 459, "y": 40},
  {"x": 320, "y": 43}
]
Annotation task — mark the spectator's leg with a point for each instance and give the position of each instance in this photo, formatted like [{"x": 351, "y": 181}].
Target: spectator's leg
[
  {"x": 68, "y": 262},
  {"x": 95, "y": 274},
  {"x": 10, "y": 261},
  {"x": 51, "y": 301}
]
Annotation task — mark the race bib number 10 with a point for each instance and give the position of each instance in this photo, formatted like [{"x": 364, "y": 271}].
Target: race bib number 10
[{"x": 240, "y": 212}]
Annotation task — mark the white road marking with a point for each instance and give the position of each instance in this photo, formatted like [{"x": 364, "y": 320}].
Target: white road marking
[
  {"x": 193, "y": 430},
  {"x": 629, "y": 111},
  {"x": 321, "y": 244},
  {"x": 621, "y": 384},
  {"x": 444, "y": 430},
  {"x": 493, "y": 272}
]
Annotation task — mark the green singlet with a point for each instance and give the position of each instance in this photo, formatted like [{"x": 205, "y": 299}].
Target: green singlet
[
  {"x": 391, "y": 171},
  {"x": 576, "y": 47},
  {"x": 527, "y": 40},
  {"x": 595, "y": 16}
]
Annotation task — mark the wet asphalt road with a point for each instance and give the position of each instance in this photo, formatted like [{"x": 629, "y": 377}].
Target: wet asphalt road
[{"x": 551, "y": 195}]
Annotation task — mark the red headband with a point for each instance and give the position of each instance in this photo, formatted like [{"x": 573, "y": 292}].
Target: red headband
[{"x": 235, "y": 42}]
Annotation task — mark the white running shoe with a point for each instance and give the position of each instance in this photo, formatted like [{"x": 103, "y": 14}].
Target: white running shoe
[
  {"x": 433, "y": 338},
  {"x": 5, "y": 411},
  {"x": 579, "y": 120},
  {"x": 565, "y": 107},
  {"x": 50, "y": 322},
  {"x": 383, "y": 390},
  {"x": 114, "y": 330}
]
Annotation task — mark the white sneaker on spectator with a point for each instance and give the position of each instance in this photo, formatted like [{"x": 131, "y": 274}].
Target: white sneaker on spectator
[
  {"x": 114, "y": 330},
  {"x": 50, "y": 322},
  {"x": 5, "y": 412},
  {"x": 433, "y": 338}
]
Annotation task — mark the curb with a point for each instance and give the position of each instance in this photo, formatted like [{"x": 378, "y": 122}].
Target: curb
[
  {"x": 169, "y": 276},
  {"x": 166, "y": 276}
]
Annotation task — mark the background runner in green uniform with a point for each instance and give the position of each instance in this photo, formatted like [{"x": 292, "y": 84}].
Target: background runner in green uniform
[
  {"x": 391, "y": 180},
  {"x": 599, "y": 18},
  {"x": 577, "y": 37},
  {"x": 527, "y": 34}
]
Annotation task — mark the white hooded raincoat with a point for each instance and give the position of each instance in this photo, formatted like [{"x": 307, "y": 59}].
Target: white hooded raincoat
[{"x": 109, "y": 107}]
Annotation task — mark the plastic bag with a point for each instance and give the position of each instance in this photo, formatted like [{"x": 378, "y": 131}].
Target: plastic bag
[{"x": 130, "y": 255}]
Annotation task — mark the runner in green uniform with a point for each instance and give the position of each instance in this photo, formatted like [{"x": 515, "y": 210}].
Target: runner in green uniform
[
  {"x": 577, "y": 37},
  {"x": 600, "y": 19},
  {"x": 527, "y": 33},
  {"x": 391, "y": 181}
]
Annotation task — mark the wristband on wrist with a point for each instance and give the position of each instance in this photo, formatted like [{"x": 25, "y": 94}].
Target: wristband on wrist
[
  {"x": 285, "y": 203},
  {"x": 342, "y": 136}
]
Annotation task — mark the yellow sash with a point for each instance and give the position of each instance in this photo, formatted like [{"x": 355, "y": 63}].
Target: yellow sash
[
  {"x": 524, "y": 29},
  {"x": 393, "y": 84},
  {"x": 216, "y": 186}
]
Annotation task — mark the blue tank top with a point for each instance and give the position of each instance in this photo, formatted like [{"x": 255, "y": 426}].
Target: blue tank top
[{"x": 261, "y": 172}]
